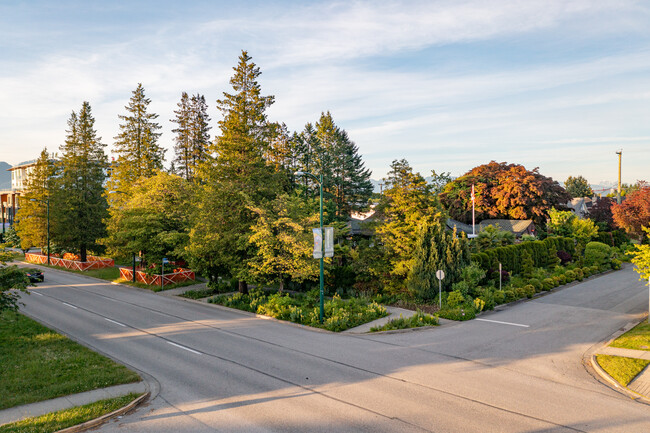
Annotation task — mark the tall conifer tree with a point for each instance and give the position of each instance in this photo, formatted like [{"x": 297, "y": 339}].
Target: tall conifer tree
[
  {"x": 192, "y": 135},
  {"x": 345, "y": 179},
  {"x": 78, "y": 217},
  {"x": 238, "y": 179},
  {"x": 136, "y": 146},
  {"x": 32, "y": 216}
]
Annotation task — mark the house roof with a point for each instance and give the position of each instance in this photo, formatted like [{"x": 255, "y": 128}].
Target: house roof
[
  {"x": 460, "y": 227},
  {"x": 518, "y": 227}
]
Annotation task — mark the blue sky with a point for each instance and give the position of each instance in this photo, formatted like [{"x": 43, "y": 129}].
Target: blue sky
[{"x": 448, "y": 85}]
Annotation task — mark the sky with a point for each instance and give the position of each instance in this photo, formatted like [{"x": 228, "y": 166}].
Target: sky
[{"x": 447, "y": 85}]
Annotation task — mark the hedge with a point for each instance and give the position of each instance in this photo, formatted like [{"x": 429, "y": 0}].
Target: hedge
[{"x": 510, "y": 256}]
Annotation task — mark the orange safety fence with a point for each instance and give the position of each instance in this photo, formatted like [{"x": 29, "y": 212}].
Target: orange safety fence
[
  {"x": 92, "y": 263},
  {"x": 178, "y": 276}
]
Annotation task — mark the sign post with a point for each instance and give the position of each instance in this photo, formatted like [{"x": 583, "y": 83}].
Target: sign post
[
  {"x": 162, "y": 273},
  {"x": 440, "y": 274},
  {"x": 499, "y": 276}
]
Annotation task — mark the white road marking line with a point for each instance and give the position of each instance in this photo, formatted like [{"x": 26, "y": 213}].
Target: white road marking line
[
  {"x": 71, "y": 306},
  {"x": 113, "y": 321},
  {"x": 183, "y": 347},
  {"x": 36, "y": 293},
  {"x": 504, "y": 323}
]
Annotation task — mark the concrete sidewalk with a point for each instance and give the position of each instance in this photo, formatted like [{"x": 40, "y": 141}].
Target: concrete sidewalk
[
  {"x": 641, "y": 383},
  {"x": 69, "y": 401}
]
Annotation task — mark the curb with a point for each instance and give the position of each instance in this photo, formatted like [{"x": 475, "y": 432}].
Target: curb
[
  {"x": 592, "y": 352},
  {"x": 104, "y": 418}
]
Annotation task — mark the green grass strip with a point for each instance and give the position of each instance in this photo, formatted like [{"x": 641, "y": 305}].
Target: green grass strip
[
  {"x": 39, "y": 364},
  {"x": 56, "y": 421},
  {"x": 637, "y": 338},
  {"x": 418, "y": 320},
  {"x": 622, "y": 369}
]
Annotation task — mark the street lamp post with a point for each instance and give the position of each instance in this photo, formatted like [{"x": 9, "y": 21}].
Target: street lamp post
[
  {"x": 322, "y": 247},
  {"x": 47, "y": 205}
]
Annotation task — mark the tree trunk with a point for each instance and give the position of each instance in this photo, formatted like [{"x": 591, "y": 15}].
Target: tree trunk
[
  {"x": 281, "y": 285},
  {"x": 243, "y": 287},
  {"x": 82, "y": 254}
]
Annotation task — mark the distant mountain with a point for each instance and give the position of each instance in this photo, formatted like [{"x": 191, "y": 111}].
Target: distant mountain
[{"x": 5, "y": 176}]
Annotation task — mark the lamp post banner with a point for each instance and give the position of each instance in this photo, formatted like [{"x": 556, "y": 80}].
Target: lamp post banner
[
  {"x": 318, "y": 243},
  {"x": 329, "y": 241}
]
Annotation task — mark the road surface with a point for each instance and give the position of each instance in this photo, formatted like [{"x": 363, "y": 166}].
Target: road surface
[{"x": 516, "y": 370}]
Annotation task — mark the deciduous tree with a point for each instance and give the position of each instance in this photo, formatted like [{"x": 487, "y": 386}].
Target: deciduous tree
[
  {"x": 153, "y": 220},
  {"x": 283, "y": 242},
  {"x": 503, "y": 190},
  {"x": 634, "y": 212}
]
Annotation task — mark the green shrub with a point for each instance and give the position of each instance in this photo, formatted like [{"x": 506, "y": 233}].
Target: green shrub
[
  {"x": 458, "y": 313},
  {"x": 598, "y": 254},
  {"x": 569, "y": 276},
  {"x": 616, "y": 264},
  {"x": 529, "y": 289},
  {"x": 548, "y": 284},
  {"x": 520, "y": 292},
  {"x": 594, "y": 270},
  {"x": 536, "y": 284},
  {"x": 479, "y": 304},
  {"x": 419, "y": 319},
  {"x": 454, "y": 299},
  {"x": 579, "y": 274},
  {"x": 510, "y": 295},
  {"x": 499, "y": 296}
]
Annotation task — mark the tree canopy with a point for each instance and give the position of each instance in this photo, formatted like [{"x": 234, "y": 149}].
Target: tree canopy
[
  {"x": 634, "y": 212},
  {"x": 77, "y": 220},
  {"x": 32, "y": 215},
  {"x": 502, "y": 190},
  {"x": 136, "y": 146},
  {"x": 578, "y": 187}
]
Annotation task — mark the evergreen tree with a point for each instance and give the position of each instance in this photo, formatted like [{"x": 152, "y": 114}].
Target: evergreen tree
[
  {"x": 407, "y": 203},
  {"x": 238, "y": 180},
  {"x": 136, "y": 146},
  {"x": 192, "y": 135},
  {"x": 578, "y": 187},
  {"x": 77, "y": 220},
  {"x": 345, "y": 179},
  {"x": 437, "y": 249},
  {"x": 32, "y": 216}
]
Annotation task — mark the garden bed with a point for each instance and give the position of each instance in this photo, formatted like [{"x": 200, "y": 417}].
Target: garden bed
[
  {"x": 179, "y": 276},
  {"x": 340, "y": 314},
  {"x": 72, "y": 262}
]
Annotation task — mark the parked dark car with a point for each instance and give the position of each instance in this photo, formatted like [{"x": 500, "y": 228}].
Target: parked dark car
[{"x": 34, "y": 275}]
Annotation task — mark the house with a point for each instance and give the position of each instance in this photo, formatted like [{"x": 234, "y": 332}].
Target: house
[
  {"x": 357, "y": 220},
  {"x": 581, "y": 206},
  {"x": 516, "y": 227}
]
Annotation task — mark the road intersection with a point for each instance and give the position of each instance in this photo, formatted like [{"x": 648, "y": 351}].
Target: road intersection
[{"x": 516, "y": 370}]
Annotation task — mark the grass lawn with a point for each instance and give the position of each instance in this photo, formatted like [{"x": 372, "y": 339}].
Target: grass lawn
[
  {"x": 622, "y": 369},
  {"x": 56, "y": 421},
  {"x": 418, "y": 320},
  {"x": 39, "y": 364},
  {"x": 636, "y": 338}
]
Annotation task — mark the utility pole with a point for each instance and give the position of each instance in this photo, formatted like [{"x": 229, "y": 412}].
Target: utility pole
[{"x": 618, "y": 196}]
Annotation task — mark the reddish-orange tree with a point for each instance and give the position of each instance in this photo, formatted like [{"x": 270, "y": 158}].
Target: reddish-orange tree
[
  {"x": 634, "y": 212},
  {"x": 503, "y": 190}
]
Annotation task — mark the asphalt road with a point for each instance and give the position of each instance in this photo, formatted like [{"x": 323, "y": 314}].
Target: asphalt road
[{"x": 220, "y": 370}]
